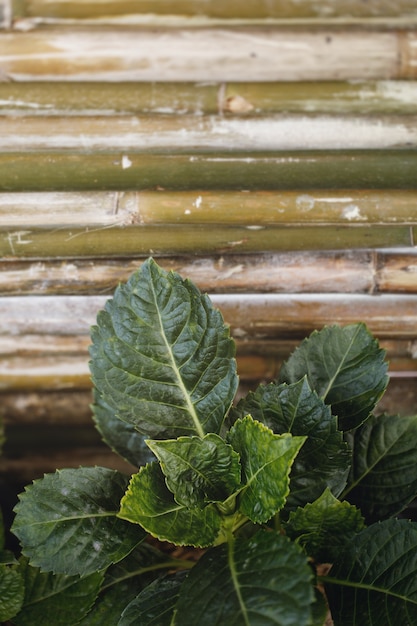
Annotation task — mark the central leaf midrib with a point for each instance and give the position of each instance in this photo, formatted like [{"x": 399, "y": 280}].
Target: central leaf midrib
[{"x": 189, "y": 405}]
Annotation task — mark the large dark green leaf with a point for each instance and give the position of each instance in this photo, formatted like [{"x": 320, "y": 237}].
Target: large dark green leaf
[
  {"x": 121, "y": 436},
  {"x": 198, "y": 471},
  {"x": 384, "y": 470},
  {"x": 375, "y": 580},
  {"x": 67, "y": 522},
  {"x": 149, "y": 502},
  {"x": 162, "y": 356},
  {"x": 266, "y": 461},
  {"x": 262, "y": 581},
  {"x": 55, "y": 598},
  {"x": 324, "y": 459},
  {"x": 155, "y": 605},
  {"x": 12, "y": 592},
  {"x": 324, "y": 526},
  {"x": 345, "y": 366}
]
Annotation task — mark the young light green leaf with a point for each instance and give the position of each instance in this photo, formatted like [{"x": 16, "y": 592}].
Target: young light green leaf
[
  {"x": 248, "y": 582},
  {"x": 266, "y": 461},
  {"x": 55, "y": 598},
  {"x": 149, "y": 502},
  {"x": 198, "y": 471},
  {"x": 384, "y": 471},
  {"x": 324, "y": 460},
  {"x": 121, "y": 436},
  {"x": 324, "y": 526},
  {"x": 374, "y": 581},
  {"x": 162, "y": 357},
  {"x": 345, "y": 366},
  {"x": 155, "y": 605},
  {"x": 12, "y": 591},
  {"x": 66, "y": 522}
]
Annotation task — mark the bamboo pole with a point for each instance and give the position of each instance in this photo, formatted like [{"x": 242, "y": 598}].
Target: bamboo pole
[
  {"x": 396, "y": 272},
  {"x": 167, "y": 132},
  {"x": 250, "y": 9},
  {"x": 126, "y": 53},
  {"x": 249, "y": 99},
  {"x": 57, "y": 171}
]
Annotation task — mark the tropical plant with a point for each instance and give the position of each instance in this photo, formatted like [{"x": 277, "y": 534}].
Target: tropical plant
[{"x": 265, "y": 511}]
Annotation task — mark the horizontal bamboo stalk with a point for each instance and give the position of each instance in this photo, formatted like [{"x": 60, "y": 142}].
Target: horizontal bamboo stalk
[
  {"x": 126, "y": 53},
  {"x": 248, "y": 99},
  {"x": 196, "y": 239},
  {"x": 346, "y": 271},
  {"x": 291, "y": 9},
  {"x": 250, "y": 315},
  {"x": 396, "y": 272},
  {"x": 120, "y": 171},
  {"x": 167, "y": 132},
  {"x": 234, "y": 208}
]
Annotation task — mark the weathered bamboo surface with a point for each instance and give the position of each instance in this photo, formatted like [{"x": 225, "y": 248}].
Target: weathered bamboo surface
[{"x": 127, "y": 53}]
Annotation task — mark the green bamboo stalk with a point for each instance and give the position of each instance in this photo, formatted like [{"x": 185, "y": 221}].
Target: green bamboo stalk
[
  {"x": 290, "y": 9},
  {"x": 126, "y": 53},
  {"x": 250, "y": 99},
  {"x": 57, "y": 171},
  {"x": 195, "y": 239}
]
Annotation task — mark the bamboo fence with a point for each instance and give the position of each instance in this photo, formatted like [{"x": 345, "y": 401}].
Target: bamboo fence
[{"x": 267, "y": 150}]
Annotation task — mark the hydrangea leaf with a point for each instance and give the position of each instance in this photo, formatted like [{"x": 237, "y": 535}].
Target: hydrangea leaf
[
  {"x": 162, "y": 357},
  {"x": 149, "y": 502},
  {"x": 266, "y": 461},
  {"x": 345, "y": 366},
  {"x": 12, "y": 591},
  {"x": 67, "y": 521},
  {"x": 155, "y": 604},
  {"x": 198, "y": 471}
]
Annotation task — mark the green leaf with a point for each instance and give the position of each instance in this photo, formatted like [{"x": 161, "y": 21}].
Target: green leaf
[
  {"x": 345, "y": 366},
  {"x": 324, "y": 460},
  {"x": 375, "y": 580},
  {"x": 324, "y": 526},
  {"x": 66, "y": 522},
  {"x": 261, "y": 581},
  {"x": 197, "y": 470},
  {"x": 55, "y": 598},
  {"x": 266, "y": 461},
  {"x": 149, "y": 502},
  {"x": 12, "y": 591},
  {"x": 384, "y": 472},
  {"x": 155, "y": 605},
  {"x": 162, "y": 357},
  {"x": 122, "y": 437}
]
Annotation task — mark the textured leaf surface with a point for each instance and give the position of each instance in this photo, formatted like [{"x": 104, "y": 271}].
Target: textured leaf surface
[
  {"x": 266, "y": 461},
  {"x": 324, "y": 526},
  {"x": 67, "y": 521},
  {"x": 121, "y": 436},
  {"x": 162, "y": 356},
  {"x": 155, "y": 605},
  {"x": 149, "y": 502},
  {"x": 263, "y": 581},
  {"x": 324, "y": 460},
  {"x": 197, "y": 470},
  {"x": 345, "y": 366},
  {"x": 375, "y": 581},
  {"x": 55, "y": 598},
  {"x": 384, "y": 470},
  {"x": 11, "y": 592}
]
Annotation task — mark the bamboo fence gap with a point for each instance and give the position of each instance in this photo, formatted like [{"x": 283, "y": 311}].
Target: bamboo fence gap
[{"x": 266, "y": 150}]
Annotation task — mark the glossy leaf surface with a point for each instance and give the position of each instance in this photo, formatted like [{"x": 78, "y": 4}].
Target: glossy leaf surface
[
  {"x": 67, "y": 521},
  {"x": 324, "y": 459},
  {"x": 261, "y": 581},
  {"x": 384, "y": 470},
  {"x": 375, "y": 580},
  {"x": 198, "y": 471},
  {"x": 155, "y": 604},
  {"x": 266, "y": 461},
  {"x": 149, "y": 502},
  {"x": 345, "y": 366},
  {"x": 162, "y": 356}
]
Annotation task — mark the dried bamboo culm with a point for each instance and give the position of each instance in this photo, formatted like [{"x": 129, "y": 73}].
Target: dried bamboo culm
[{"x": 266, "y": 150}]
